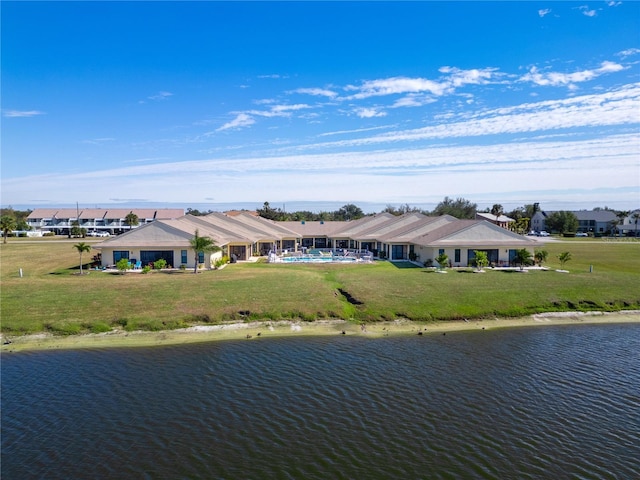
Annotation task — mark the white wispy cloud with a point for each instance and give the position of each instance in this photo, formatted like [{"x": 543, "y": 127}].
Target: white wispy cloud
[
  {"x": 21, "y": 113},
  {"x": 457, "y": 77},
  {"x": 160, "y": 96},
  {"x": 358, "y": 130},
  {"x": 98, "y": 141},
  {"x": 543, "y": 12},
  {"x": 613, "y": 3},
  {"x": 629, "y": 52},
  {"x": 616, "y": 107},
  {"x": 242, "y": 120},
  {"x": 395, "y": 86},
  {"x": 279, "y": 110},
  {"x": 587, "y": 11},
  {"x": 322, "y": 92},
  {"x": 555, "y": 79},
  {"x": 369, "y": 112}
]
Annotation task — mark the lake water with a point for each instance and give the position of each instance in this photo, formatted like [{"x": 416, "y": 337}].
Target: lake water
[{"x": 539, "y": 403}]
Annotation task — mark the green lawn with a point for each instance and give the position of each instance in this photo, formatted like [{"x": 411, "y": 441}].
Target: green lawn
[{"x": 52, "y": 297}]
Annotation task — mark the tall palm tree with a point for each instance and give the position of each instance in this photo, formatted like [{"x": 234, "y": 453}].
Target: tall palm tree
[
  {"x": 82, "y": 247},
  {"x": 202, "y": 245},
  {"x": 497, "y": 210},
  {"x": 131, "y": 220},
  {"x": 7, "y": 224}
]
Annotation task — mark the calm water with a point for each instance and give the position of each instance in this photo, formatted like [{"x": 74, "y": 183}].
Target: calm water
[{"x": 543, "y": 403}]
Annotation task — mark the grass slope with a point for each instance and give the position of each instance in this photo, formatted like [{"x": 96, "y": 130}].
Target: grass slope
[{"x": 52, "y": 297}]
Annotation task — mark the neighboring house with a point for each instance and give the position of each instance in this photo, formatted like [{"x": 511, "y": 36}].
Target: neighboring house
[
  {"x": 409, "y": 236},
  {"x": 502, "y": 220},
  {"x": 598, "y": 222},
  {"x": 631, "y": 224},
  {"x": 110, "y": 220}
]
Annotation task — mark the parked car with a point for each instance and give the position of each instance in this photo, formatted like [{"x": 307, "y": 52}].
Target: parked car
[
  {"x": 582, "y": 234},
  {"x": 98, "y": 234},
  {"x": 543, "y": 234}
]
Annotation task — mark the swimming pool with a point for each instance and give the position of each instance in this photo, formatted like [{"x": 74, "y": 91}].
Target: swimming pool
[{"x": 316, "y": 259}]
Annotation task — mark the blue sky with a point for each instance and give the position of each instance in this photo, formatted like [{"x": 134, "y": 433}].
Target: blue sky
[{"x": 211, "y": 104}]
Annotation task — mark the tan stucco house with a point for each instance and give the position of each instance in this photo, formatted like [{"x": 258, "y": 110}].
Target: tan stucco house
[{"x": 412, "y": 236}]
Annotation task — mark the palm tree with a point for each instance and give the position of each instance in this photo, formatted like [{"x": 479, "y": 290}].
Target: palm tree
[
  {"x": 8, "y": 224},
  {"x": 541, "y": 256},
  {"x": 82, "y": 247},
  {"x": 523, "y": 257},
  {"x": 131, "y": 220},
  {"x": 497, "y": 210},
  {"x": 202, "y": 245},
  {"x": 564, "y": 257}
]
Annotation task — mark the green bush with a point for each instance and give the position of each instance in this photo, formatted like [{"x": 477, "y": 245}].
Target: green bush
[
  {"x": 160, "y": 264},
  {"x": 146, "y": 269},
  {"x": 123, "y": 265}
]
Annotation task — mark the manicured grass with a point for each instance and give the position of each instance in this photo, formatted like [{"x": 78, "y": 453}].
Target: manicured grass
[{"x": 51, "y": 296}]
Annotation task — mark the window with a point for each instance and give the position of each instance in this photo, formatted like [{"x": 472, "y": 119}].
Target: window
[
  {"x": 457, "y": 255},
  {"x": 183, "y": 257},
  {"x": 118, "y": 254},
  {"x": 441, "y": 251},
  {"x": 200, "y": 257}
]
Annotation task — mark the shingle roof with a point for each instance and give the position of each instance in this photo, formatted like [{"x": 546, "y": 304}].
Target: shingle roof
[{"x": 472, "y": 233}]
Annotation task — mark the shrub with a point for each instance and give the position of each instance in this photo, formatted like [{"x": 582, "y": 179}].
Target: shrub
[
  {"x": 160, "y": 264},
  {"x": 122, "y": 264},
  {"x": 146, "y": 269}
]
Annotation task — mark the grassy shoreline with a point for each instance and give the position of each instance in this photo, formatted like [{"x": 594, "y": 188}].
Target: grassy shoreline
[
  {"x": 51, "y": 298},
  {"x": 261, "y": 331}
]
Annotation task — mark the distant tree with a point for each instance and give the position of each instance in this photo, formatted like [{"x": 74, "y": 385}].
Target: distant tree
[
  {"x": 562, "y": 222},
  {"x": 401, "y": 210},
  {"x": 442, "y": 260},
  {"x": 197, "y": 213},
  {"x": 523, "y": 258},
  {"x": 521, "y": 225},
  {"x": 541, "y": 256},
  {"x": 202, "y": 245},
  {"x": 349, "y": 212},
  {"x": 131, "y": 220},
  {"x": 621, "y": 215},
  {"x": 270, "y": 213},
  {"x": 564, "y": 257},
  {"x": 459, "y": 208},
  {"x": 81, "y": 248},
  {"x": 497, "y": 210},
  {"x": 8, "y": 224},
  {"x": 528, "y": 210},
  {"x": 77, "y": 230},
  {"x": 636, "y": 217},
  {"x": 481, "y": 258}
]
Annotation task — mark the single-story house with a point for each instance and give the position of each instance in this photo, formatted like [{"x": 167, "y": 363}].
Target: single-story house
[{"x": 411, "y": 236}]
